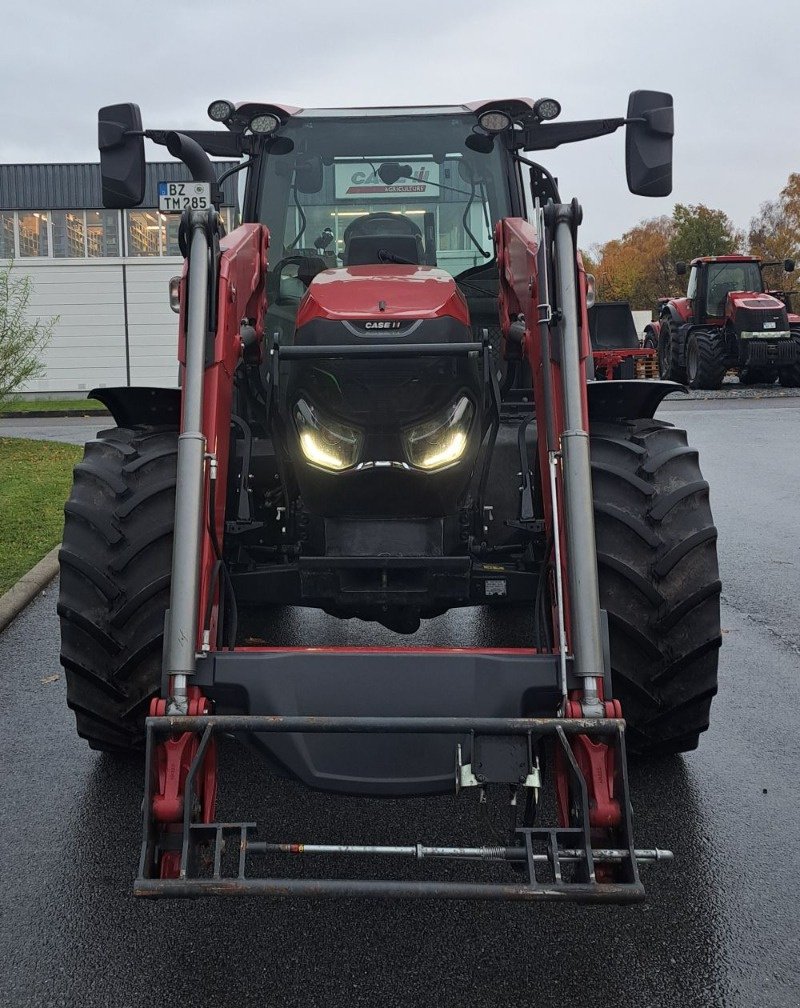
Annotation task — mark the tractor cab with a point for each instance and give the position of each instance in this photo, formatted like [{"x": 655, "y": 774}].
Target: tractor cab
[
  {"x": 384, "y": 189},
  {"x": 712, "y": 279}
]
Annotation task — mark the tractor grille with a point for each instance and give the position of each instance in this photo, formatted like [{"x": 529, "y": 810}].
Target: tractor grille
[{"x": 778, "y": 354}]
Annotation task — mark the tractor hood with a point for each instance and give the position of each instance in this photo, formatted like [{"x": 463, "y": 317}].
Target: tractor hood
[
  {"x": 755, "y": 301},
  {"x": 379, "y": 296}
]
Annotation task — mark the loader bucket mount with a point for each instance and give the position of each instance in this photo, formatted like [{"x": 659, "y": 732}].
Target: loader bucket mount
[{"x": 544, "y": 863}]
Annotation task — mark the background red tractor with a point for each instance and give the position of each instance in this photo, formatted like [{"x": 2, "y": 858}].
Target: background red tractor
[{"x": 728, "y": 320}]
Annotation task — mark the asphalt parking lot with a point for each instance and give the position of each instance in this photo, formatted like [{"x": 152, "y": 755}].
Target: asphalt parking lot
[{"x": 720, "y": 926}]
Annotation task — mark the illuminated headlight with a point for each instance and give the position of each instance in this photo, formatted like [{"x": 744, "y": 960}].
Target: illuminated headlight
[
  {"x": 770, "y": 334},
  {"x": 325, "y": 443},
  {"x": 442, "y": 441}
]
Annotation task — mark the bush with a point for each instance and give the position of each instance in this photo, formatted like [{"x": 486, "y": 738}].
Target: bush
[{"x": 22, "y": 340}]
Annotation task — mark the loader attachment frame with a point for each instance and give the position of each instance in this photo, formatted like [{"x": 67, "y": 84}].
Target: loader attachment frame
[{"x": 557, "y": 863}]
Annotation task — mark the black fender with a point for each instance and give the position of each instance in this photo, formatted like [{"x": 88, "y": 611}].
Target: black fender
[
  {"x": 628, "y": 400},
  {"x": 132, "y": 406}
]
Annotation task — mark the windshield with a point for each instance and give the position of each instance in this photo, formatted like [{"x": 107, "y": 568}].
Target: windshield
[
  {"x": 726, "y": 277},
  {"x": 443, "y": 197}
]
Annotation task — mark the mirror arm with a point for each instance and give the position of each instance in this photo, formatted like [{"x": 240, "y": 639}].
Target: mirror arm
[{"x": 539, "y": 136}]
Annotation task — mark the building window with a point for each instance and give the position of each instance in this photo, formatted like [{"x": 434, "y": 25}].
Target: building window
[
  {"x": 7, "y": 250},
  {"x": 33, "y": 237},
  {"x": 69, "y": 234},
  {"x": 102, "y": 233},
  {"x": 144, "y": 232},
  {"x": 151, "y": 233}
]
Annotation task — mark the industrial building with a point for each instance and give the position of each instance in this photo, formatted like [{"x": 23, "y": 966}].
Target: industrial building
[{"x": 103, "y": 274}]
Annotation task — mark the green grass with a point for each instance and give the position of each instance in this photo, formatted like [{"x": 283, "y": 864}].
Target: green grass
[
  {"x": 35, "y": 477},
  {"x": 48, "y": 405}
]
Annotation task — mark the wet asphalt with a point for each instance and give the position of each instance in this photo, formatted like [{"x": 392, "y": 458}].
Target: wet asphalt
[{"x": 721, "y": 924}]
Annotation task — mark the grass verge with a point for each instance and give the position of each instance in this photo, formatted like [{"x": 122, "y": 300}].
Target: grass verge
[
  {"x": 48, "y": 405},
  {"x": 35, "y": 477}
]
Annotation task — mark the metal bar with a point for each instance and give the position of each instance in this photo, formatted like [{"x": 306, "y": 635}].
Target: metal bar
[
  {"x": 185, "y": 590},
  {"x": 562, "y": 633},
  {"x": 584, "y": 593},
  {"x": 375, "y": 888},
  {"x": 372, "y": 725},
  {"x": 188, "y": 795},
  {"x": 420, "y": 852},
  {"x": 580, "y": 781},
  {"x": 378, "y": 351}
]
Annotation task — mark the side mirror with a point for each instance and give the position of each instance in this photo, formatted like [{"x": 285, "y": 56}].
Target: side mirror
[
  {"x": 680, "y": 268},
  {"x": 648, "y": 143},
  {"x": 121, "y": 143},
  {"x": 788, "y": 265}
]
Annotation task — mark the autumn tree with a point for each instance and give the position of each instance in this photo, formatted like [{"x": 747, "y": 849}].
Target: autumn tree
[
  {"x": 701, "y": 231},
  {"x": 636, "y": 267},
  {"x": 775, "y": 230}
]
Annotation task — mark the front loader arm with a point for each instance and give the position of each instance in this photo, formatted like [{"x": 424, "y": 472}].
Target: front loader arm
[{"x": 542, "y": 286}]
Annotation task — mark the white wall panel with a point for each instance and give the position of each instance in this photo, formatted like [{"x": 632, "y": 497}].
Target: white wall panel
[{"x": 87, "y": 349}]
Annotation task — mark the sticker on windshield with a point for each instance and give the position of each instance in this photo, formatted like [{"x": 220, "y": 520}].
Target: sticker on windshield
[{"x": 357, "y": 179}]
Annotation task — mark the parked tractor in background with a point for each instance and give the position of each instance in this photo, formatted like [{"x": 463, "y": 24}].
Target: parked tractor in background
[{"x": 728, "y": 321}]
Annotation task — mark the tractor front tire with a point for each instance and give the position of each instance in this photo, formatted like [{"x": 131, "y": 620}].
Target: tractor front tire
[
  {"x": 659, "y": 582},
  {"x": 671, "y": 358},
  {"x": 789, "y": 376},
  {"x": 705, "y": 359},
  {"x": 116, "y": 559}
]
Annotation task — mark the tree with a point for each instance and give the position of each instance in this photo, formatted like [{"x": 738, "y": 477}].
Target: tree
[
  {"x": 775, "y": 230},
  {"x": 636, "y": 267},
  {"x": 700, "y": 231},
  {"x": 22, "y": 339}
]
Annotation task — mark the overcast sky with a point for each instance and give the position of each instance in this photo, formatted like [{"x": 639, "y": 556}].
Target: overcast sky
[{"x": 733, "y": 67}]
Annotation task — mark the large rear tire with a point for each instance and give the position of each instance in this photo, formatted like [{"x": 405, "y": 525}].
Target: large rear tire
[
  {"x": 671, "y": 362},
  {"x": 659, "y": 583},
  {"x": 116, "y": 560},
  {"x": 789, "y": 376},
  {"x": 705, "y": 359}
]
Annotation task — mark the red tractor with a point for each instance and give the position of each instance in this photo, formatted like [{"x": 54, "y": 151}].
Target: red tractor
[
  {"x": 727, "y": 321},
  {"x": 346, "y": 439}
]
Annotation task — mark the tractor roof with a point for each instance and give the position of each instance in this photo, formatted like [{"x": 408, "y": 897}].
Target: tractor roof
[
  {"x": 725, "y": 258},
  {"x": 512, "y": 105}
]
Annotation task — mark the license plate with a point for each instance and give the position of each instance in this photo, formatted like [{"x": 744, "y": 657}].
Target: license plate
[{"x": 175, "y": 197}]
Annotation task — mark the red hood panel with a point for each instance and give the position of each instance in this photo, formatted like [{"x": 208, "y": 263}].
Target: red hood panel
[
  {"x": 404, "y": 292},
  {"x": 750, "y": 299}
]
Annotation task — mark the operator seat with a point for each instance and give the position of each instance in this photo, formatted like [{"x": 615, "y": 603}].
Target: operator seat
[{"x": 366, "y": 236}]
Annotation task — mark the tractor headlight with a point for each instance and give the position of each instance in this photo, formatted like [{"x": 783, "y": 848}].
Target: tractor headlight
[
  {"x": 325, "y": 443},
  {"x": 442, "y": 441}
]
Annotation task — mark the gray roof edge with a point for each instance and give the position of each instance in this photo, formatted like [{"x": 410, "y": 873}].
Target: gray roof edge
[{"x": 76, "y": 185}]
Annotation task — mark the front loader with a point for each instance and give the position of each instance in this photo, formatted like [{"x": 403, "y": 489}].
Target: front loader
[{"x": 384, "y": 415}]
